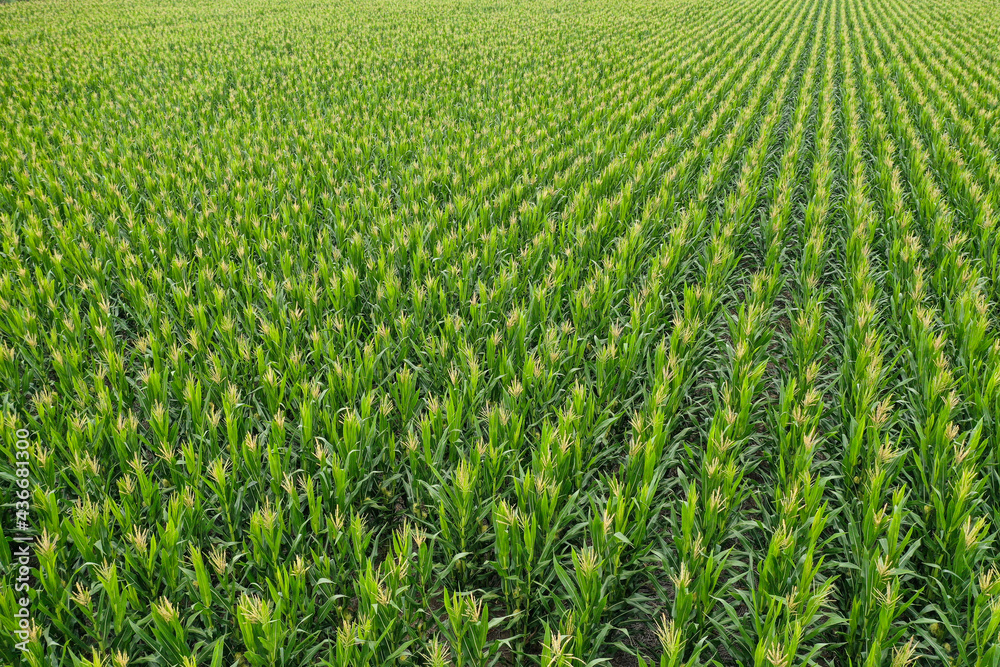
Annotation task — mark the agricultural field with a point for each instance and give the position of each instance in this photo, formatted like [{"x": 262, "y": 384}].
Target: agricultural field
[{"x": 473, "y": 333}]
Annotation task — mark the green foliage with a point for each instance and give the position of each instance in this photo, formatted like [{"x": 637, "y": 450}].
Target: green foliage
[{"x": 499, "y": 333}]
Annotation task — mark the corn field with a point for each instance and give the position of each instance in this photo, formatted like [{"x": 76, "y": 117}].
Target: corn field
[{"x": 474, "y": 333}]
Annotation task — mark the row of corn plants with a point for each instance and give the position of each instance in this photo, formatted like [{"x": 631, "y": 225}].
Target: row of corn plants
[{"x": 877, "y": 538}]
